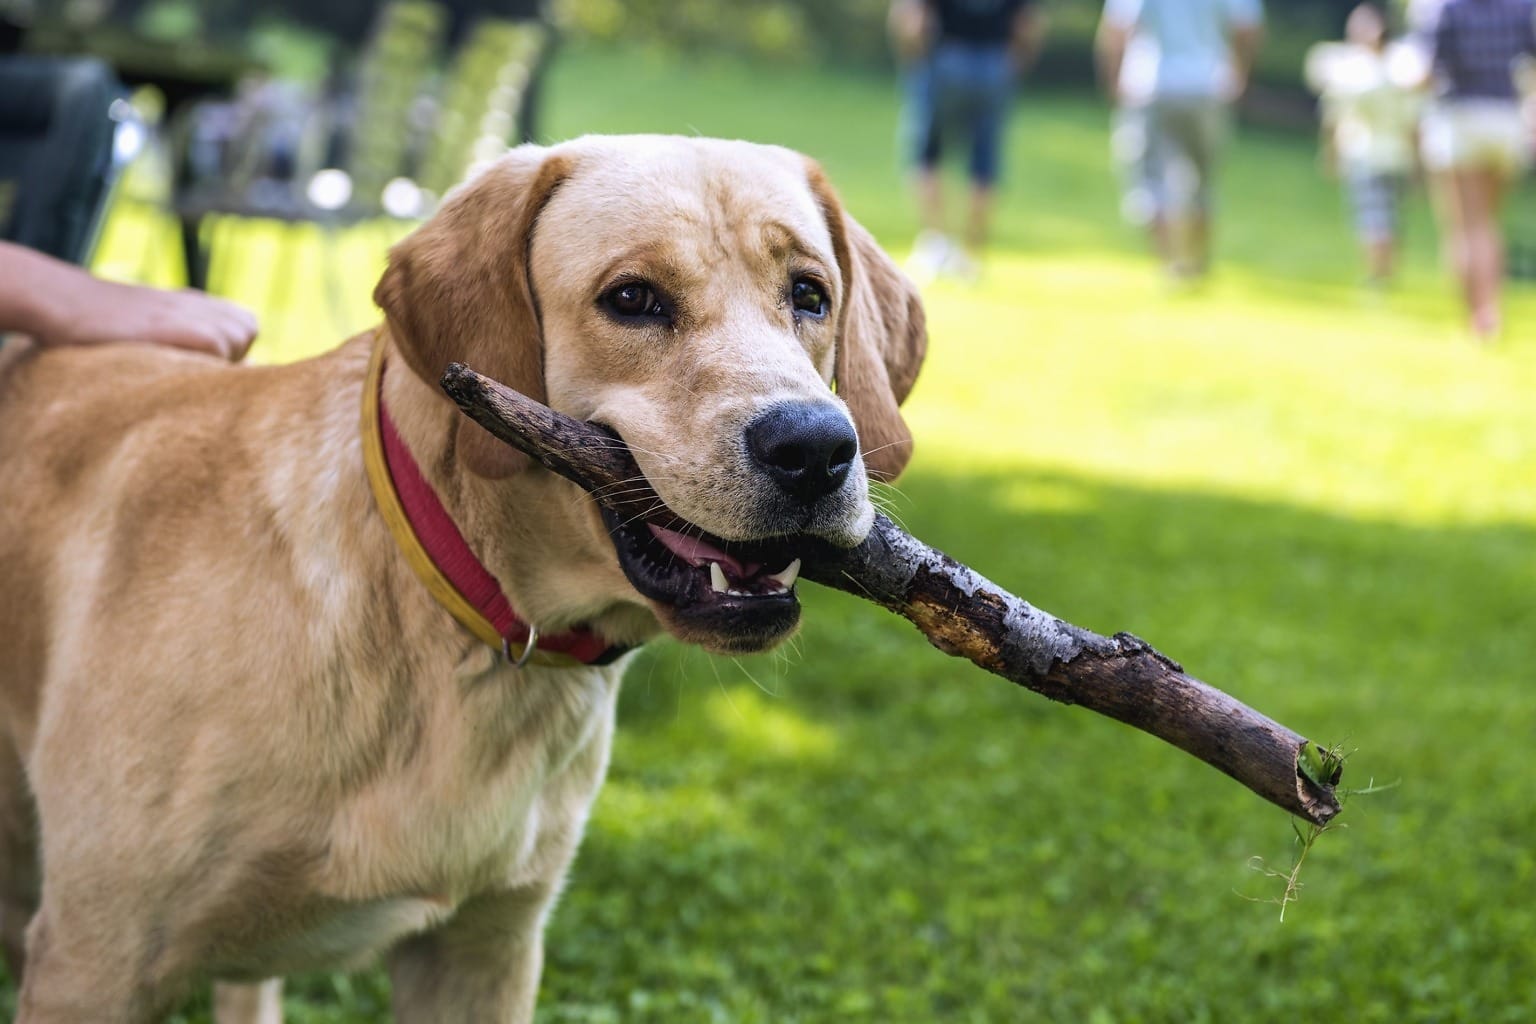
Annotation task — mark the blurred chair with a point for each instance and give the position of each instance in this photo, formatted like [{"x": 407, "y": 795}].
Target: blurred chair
[
  {"x": 66, "y": 134},
  {"x": 381, "y": 153},
  {"x": 279, "y": 154}
]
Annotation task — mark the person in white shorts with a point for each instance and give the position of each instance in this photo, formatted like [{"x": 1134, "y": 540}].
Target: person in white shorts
[
  {"x": 1476, "y": 133},
  {"x": 1475, "y": 139}
]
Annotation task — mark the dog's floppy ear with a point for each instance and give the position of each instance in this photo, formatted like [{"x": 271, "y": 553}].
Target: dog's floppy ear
[
  {"x": 881, "y": 337},
  {"x": 458, "y": 290}
]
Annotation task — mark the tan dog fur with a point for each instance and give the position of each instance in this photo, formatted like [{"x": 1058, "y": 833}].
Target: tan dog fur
[{"x": 240, "y": 738}]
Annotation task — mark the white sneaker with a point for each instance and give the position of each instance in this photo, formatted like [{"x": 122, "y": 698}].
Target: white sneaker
[
  {"x": 930, "y": 252},
  {"x": 962, "y": 266}
]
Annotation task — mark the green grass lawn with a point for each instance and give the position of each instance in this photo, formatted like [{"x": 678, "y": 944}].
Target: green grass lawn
[{"x": 1322, "y": 503}]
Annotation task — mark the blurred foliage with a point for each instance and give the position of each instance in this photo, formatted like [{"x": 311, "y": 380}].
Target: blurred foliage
[
  {"x": 481, "y": 100},
  {"x": 397, "y": 62},
  {"x": 851, "y": 32},
  {"x": 292, "y": 52}
]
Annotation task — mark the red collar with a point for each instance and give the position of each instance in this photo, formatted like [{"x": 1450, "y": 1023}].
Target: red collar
[{"x": 453, "y": 574}]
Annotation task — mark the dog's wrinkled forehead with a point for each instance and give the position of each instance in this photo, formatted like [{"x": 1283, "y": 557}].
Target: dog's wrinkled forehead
[{"x": 676, "y": 200}]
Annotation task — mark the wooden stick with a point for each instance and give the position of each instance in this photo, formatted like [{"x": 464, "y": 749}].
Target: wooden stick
[{"x": 959, "y": 611}]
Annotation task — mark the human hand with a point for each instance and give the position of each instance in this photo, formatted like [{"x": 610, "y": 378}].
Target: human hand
[
  {"x": 57, "y": 303},
  {"x": 908, "y": 25},
  {"x": 102, "y": 312}
]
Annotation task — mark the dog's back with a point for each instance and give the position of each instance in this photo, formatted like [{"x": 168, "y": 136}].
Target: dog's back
[
  {"x": 147, "y": 562},
  {"x": 111, "y": 459}
]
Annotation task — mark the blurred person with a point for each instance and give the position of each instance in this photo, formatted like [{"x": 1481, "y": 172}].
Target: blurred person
[
  {"x": 1371, "y": 105},
  {"x": 963, "y": 59},
  {"x": 57, "y": 303},
  {"x": 1173, "y": 69},
  {"x": 1475, "y": 139}
]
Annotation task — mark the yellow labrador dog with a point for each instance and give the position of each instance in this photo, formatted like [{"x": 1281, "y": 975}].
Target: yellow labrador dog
[{"x": 269, "y": 698}]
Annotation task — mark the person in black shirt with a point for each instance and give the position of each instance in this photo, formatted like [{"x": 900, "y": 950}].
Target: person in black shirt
[{"x": 963, "y": 58}]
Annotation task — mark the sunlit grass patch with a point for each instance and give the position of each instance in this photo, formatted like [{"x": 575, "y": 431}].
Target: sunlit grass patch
[{"x": 1095, "y": 363}]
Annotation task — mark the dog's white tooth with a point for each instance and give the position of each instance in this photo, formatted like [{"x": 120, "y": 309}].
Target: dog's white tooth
[
  {"x": 789, "y": 575},
  {"x": 717, "y": 578}
]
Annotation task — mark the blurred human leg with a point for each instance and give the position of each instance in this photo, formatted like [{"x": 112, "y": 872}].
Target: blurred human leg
[
  {"x": 1380, "y": 260},
  {"x": 930, "y": 199},
  {"x": 1479, "y": 198},
  {"x": 991, "y": 89},
  {"x": 1137, "y": 151},
  {"x": 925, "y": 141},
  {"x": 978, "y": 228},
  {"x": 1475, "y": 149},
  {"x": 1194, "y": 131},
  {"x": 1374, "y": 196}
]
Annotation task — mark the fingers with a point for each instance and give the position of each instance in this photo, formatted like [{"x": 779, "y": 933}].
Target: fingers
[
  {"x": 104, "y": 312},
  {"x": 215, "y": 326}
]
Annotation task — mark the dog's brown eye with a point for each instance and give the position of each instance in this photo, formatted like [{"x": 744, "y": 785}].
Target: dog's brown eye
[
  {"x": 808, "y": 297},
  {"x": 633, "y": 300}
]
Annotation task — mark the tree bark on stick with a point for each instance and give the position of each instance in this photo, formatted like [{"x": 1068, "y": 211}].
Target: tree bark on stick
[{"x": 959, "y": 611}]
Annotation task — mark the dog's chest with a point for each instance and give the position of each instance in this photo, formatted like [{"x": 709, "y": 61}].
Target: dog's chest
[{"x": 493, "y": 797}]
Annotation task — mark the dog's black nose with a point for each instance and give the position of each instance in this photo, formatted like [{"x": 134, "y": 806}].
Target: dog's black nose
[{"x": 806, "y": 447}]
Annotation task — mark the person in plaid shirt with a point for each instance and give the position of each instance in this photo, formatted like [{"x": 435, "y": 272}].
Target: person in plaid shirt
[{"x": 1475, "y": 139}]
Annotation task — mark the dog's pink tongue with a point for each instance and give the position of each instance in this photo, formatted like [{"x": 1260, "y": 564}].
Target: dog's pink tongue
[{"x": 699, "y": 553}]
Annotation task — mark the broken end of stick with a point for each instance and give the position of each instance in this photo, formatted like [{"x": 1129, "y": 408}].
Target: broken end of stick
[
  {"x": 461, "y": 383},
  {"x": 493, "y": 407},
  {"x": 1317, "y": 775}
]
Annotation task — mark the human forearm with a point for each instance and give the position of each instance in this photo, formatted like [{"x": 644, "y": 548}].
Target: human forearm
[
  {"x": 60, "y": 304},
  {"x": 34, "y": 290},
  {"x": 908, "y": 24},
  {"x": 1028, "y": 36}
]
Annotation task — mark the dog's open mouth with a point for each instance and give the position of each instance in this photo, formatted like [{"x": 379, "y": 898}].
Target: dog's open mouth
[{"x": 724, "y": 595}]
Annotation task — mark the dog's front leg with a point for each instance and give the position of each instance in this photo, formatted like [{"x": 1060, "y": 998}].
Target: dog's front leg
[
  {"x": 248, "y": 1004},
  {"x": 84, "y": 971},
  {"x": 480, "y": 967}
]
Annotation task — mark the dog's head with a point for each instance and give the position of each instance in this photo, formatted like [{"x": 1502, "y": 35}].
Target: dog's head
[{"x": 712, "y": 304}]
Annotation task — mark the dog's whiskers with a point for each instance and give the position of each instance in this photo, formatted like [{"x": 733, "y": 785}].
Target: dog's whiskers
[
  {"x": 747, "y": 672},
  {"x": 643, "y": 515},
  {"x": 883, "y": 447}
]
